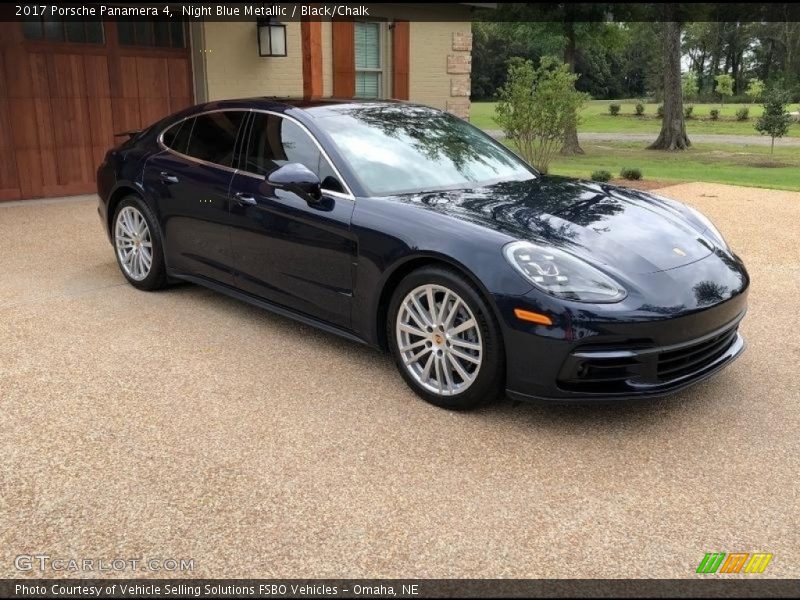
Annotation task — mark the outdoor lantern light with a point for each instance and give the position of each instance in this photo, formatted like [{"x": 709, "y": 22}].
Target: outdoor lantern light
[{"x": 271, "y": 37}]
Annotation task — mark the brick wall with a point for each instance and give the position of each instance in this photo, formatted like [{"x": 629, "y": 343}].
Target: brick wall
[{"x": 235, "y": 70}]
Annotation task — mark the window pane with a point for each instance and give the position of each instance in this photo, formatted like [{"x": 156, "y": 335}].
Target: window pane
[
  {"x": 275, "y": 141},
  {"x": 125, "y": 33},
  {"x": 94, "y": 32},
  {"x": 75, "y": 31},
  {"x": 367, "y": 45},
  {"x": 162, "y": 33},
  {"x": 144, "y": 33},
  {"x": 177, "y": 34},
  {"x": 54, "y": 31},
  {"x": 368, "y": 84},
  {"x": 32, "y": 30},
  {"x": 214, "y": 135}
]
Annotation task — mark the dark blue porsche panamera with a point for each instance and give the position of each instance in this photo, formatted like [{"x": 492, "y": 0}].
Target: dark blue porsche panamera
[{"x": 407, "y": 229}]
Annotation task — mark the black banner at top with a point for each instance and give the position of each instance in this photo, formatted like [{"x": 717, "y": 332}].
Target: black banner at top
[{"x": 416, "y": 11}]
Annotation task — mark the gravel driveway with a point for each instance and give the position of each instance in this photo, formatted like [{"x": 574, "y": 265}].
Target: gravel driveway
[{"x": 186, "y": 424}]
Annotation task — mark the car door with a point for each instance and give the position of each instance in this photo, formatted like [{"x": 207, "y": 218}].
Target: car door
[
  {"x": 192, "y": 179},
  {"x": 290, "y": 251}
]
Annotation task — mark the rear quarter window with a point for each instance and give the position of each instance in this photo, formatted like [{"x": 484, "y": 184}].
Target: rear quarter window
[{"x": 177, "y": 137}]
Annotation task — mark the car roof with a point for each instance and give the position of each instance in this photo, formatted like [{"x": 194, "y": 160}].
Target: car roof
[{"x": 289, "y": 105}]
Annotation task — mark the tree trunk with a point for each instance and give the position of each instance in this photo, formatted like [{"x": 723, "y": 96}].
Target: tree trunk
[
  {"x": 571, "y": 144},
  {"x": 673, "y": 127}
]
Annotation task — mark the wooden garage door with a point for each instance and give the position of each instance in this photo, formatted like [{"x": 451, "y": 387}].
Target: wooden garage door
[{"x": 62, "y": 102}]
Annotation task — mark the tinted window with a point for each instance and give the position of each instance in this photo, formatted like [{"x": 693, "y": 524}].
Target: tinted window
[
  {"x": 213, "y": 136},
  {"x": 177, "y": 136},
  {"x": 395, "y": 149},
  {"x": 275, "y": 141}
]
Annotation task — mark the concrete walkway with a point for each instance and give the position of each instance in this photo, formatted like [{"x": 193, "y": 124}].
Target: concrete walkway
[{"x": 705, "y": 138}]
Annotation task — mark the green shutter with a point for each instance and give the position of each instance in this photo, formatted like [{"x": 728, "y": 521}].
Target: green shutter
[{"x": 367, "y": 50}]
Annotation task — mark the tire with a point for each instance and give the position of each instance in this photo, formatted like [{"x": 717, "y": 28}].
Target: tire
[
  {"x": 457, "y": 342},
  {"x": 131, "y": 211}
]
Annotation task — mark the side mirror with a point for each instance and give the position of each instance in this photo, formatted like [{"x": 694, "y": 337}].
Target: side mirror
[{"x": 297, "y": 178}]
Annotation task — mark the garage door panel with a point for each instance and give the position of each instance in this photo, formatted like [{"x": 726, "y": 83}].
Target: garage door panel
[
  {"x": 8, "y": 166},
  {"x": 71, "y": 138},
  {"x": 47, "y": 144},
  {"x": 101, "y": 122},
  {"x": 26, "y": 144},
  {"x": 153, "y": 77},
  {"x": 125, "y": 112}
]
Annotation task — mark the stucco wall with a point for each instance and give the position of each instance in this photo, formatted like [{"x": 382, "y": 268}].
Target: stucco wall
[{"x": 235, "y": 70}]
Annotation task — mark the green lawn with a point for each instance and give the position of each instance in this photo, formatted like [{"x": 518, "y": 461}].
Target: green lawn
[
  {"x": 735, "y": 164},
  {"x": 595, "y": 118}
]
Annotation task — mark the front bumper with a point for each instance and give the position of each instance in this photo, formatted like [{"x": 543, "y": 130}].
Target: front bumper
[
  {"x": 635, "y": 348},
  {"x": 625, "y": 371}
]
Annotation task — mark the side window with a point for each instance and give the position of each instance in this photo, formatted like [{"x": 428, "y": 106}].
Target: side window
[
  {"x": 177, "y": 137},
  {"x": 214, "y": 135},
  {"x": 275, "y": 141}
]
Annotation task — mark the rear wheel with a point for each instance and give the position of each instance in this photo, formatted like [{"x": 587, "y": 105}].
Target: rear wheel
[
  {"x": 138, "y": 246},
  {"x": 445, "y": 340}
]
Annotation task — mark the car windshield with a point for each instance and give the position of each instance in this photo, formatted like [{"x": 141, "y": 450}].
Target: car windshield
[{"x": 396, "y": 149}]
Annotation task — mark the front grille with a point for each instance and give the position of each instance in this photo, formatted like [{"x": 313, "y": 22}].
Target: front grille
[{"x": 675, "y": 364}]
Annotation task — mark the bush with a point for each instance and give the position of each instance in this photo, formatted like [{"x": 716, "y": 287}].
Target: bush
[
  {"x": 639, "y": 108},
  {"x": 714, "y": 112},
  {"x": 743, "y": 114},
  {"x": 688, "y": 110},
  {"x": 660, "y": 111},
  {"x": 536, "y": 106},
  {"x": 632, "y": 174},
  {"x": 614, "y": 109},
  {"x": 601, "y": 176}
]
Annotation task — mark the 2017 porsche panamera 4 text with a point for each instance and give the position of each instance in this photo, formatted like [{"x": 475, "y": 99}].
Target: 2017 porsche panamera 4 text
[{"x": 408, "y": 229}]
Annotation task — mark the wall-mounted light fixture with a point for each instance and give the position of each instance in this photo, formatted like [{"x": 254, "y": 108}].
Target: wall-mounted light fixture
[{"x": 271, "y": 37}]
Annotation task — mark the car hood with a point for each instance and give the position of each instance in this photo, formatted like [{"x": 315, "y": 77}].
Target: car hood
[{"x": 627, "y": 229}]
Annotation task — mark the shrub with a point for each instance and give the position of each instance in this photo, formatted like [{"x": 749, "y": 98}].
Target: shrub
[
  {"x": 639, "y": 108},
  {"x": 660, "y": 111},
  {"x": 613, "y": 109},
  {"x": 601, "y": 176},
  {"x": 714, "y": 112},
  {"x": 536, "y": 106},
  {"x": 690, "y": 85},
  {"x": 743, "y": 114},
  {"x": 688, "y": 110},
  {"x": 632, "y": 174}
]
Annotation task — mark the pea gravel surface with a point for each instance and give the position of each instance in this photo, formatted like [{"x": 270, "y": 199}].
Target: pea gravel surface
[{"x": 184, "y": 424}]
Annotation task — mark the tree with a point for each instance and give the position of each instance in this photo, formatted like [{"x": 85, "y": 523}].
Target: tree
[
  {"x": 673, "y": 127},
  {"x": 755, "y": 89},
  {"x": 689, "y": 85},
  {"x": 536, "y": 106},
  {"x": 775, "y": 120},
  {"x": 724, "y": 86}
]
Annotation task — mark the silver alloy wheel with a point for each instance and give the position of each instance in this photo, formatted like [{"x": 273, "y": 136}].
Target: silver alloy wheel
[
  {"x": 439, "y": 340},
  {"x": 133, "y": 242}
]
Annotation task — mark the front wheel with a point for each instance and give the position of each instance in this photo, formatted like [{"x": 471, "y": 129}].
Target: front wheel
[{"x": 445, "y": 340}]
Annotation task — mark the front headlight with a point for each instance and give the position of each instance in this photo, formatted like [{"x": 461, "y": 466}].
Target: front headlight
[
  {"x": 710, "y": 229},
  {"x": 561, "y": 274}
]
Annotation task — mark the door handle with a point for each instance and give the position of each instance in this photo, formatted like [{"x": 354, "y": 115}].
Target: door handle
[
  {"x": 168, "y": 177},
  {"x": 244, "y": 198}
]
